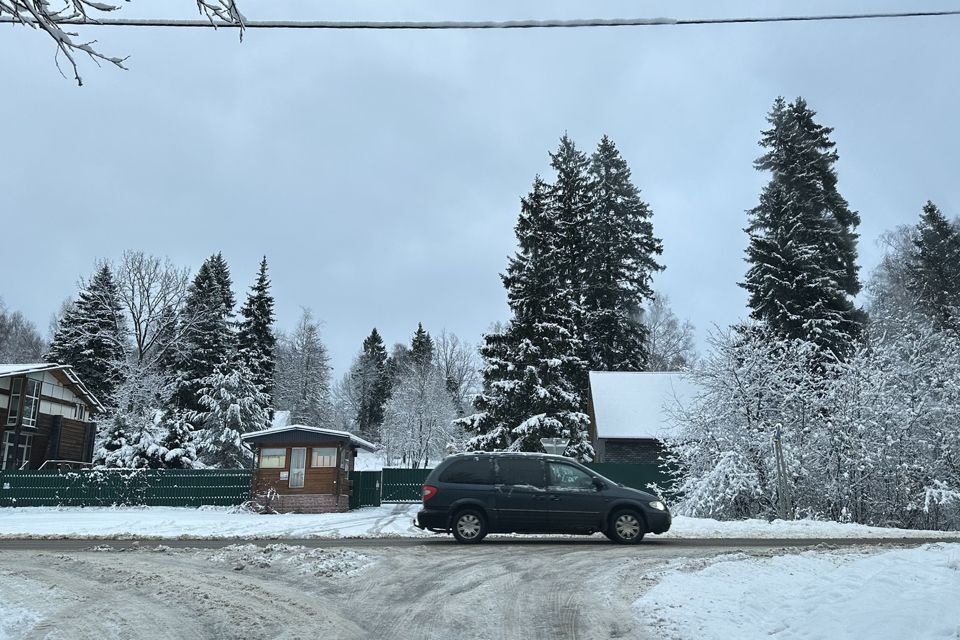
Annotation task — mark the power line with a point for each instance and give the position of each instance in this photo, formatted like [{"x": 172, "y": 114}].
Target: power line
[{"x": 472, "y": 25}]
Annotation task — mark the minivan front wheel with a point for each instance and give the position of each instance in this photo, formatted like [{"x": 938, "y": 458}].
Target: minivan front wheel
[
  {"x": 469, "y": 526},
  {"x": 626, "y": 527}
]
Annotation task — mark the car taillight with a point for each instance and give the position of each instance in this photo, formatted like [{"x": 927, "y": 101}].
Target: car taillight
[{"x": 428, "y": 492}]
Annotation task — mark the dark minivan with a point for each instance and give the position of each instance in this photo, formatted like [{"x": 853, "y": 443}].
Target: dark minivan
[{"x": 473, "y": 494}]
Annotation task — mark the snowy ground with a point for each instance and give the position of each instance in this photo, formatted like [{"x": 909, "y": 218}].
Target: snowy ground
[
  {"x": 907, "y": 593},
  {"x": 496, "y": 590},
  {"x": 393, "y": 520}
]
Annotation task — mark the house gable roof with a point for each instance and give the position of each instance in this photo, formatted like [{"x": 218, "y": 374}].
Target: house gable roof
[
  {"x": 641, "y": 405},
  {"x": 309, "y": 433},
  {"x": 63, "y": 372}
]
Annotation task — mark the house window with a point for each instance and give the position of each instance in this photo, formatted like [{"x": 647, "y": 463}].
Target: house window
[
  {"x": 78, "y": 412},
  {"x": 25, "y": 448},
  {"x": 31, "y": 403},
  {"x": 324, "y": 457},
  {"x": 273, "y": 458},
  {"x": 13, "y": 411},
  {"x": 30, "y": 390}
]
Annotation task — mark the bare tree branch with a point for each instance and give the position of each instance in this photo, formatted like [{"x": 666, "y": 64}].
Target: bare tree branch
[{"x": 49, "y": 17}]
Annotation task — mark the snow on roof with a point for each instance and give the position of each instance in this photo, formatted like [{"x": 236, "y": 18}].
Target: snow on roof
[
  {"x": 359, "y": 442},
  {"x": 21, "y": 369},
  {"x": 639, "y": 405},
  {"x": 7, "y": 370}
]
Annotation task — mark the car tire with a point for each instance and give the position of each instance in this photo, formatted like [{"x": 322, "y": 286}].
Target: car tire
[
  {"x": 626, "y": 526},
  {"x": 469, "y": 526}
]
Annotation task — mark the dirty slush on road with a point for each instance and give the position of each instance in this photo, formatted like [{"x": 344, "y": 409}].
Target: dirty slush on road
[{"x": 281, "y": 591}]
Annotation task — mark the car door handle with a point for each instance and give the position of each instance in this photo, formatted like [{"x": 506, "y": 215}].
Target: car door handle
[{"x": 555, "y": 498}]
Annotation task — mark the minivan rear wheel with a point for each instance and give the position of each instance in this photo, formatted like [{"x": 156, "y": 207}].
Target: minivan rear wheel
[
  {"x": 626, "y": 527},
  {"x": 469, "y": 526}
]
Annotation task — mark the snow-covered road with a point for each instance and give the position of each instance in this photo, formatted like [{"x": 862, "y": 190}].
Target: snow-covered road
[
  {"x": 389, "y": 520},
  {"x": 478, "y": 592}
]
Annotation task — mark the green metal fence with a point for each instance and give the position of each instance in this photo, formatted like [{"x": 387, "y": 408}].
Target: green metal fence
[
  {"x": 635, "y": 476},
  {"x": 370, "y": 488},
  {"x": 148, "y": 487},
  {"x": 403, "y": 485},
  {"x": 365, "y": 489}
]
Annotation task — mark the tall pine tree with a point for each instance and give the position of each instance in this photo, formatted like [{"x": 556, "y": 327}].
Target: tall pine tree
[
  {"x": 933, "y": 269},
  {"x": 533, "y": 378},
  {"x": 256, "y": 343},
  {"x": 92, "y": 337},
  {"x": 803, "y": 244},
  {"x": 421, "y": 347},
  {"x": 619, "y": 260},
  {"x": 371, "y": 385},
  {"x": 208, "y": 342}
]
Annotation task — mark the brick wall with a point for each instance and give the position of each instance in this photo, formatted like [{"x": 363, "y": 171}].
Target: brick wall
[{"x": 306, "y": 503}]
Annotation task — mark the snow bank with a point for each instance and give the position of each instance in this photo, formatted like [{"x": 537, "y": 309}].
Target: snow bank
[
  {"x": 684, "y": 527},
  {"x": 390, "y": 520},
  {"x": 314, "y": 562},
  {"x": 205, "y": 522},
  {"x": 910, "y": 593}
]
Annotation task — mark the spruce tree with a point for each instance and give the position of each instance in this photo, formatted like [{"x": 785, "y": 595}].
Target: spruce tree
[
  {"x": 803, "y": 244},
  {"x": 569, "y": 200},
  {"x": 421, "y": 347},
  {"x": 208, "y": 343},
  {"x": 256, "y": 343},
  {"x": 232, "y": 406},
  {"x": 619, "y": 261},
  {"x": 179, "y": 446},
  {"x": 220, "y": 272},
  {"x": 534, "y": 375},
  {"x": 92, "y": 337},
  {"x": 371, "y": 384},
  {"x": 933, "y": 268}
]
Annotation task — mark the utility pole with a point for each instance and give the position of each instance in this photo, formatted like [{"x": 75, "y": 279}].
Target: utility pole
[{"x": 783, "y": 487}]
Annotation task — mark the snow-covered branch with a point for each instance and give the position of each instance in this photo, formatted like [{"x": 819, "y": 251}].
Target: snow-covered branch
[{"x": 52, "y": 16}]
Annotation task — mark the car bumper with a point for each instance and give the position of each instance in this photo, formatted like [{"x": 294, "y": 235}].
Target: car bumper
[
  {"x": 432, "y": 520},
  {"x": 659, "y": 521}
]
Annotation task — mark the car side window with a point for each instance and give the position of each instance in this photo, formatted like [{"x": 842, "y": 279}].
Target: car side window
[
  {"x": 569, "y": 478},
  {"x": 521, "y": 472},
  {"x": 471, "y": 471}
]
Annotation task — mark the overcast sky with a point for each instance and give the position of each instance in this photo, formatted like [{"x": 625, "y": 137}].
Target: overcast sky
[{"x": 380, "y": 172}]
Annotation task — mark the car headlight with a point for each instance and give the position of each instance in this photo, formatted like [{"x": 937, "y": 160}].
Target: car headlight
[{"x": 656, "y": 504}]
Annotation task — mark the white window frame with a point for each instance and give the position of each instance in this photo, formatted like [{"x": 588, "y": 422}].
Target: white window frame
[
  {"x": 33, "y": 398},
  {"x": 319, "y": 462},
  {"x": 298, "y": 475},
  {"x": 78, "y": 412},
  {"x": 13, "y": 407},
  {"x": 26, "y": 448},
  {"x": 266, "y": 453}
]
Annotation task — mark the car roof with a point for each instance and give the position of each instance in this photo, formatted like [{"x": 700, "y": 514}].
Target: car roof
[{"x": 509, "y": 454}]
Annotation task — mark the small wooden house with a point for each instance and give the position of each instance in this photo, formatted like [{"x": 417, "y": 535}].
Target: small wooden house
[
  {"x": 631, "y": 414},
  {"x": 303, "y": 469},
  {"x": 46, "y": 417}
]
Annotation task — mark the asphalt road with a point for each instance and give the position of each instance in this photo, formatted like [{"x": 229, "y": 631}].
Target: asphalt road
[{"x": 650, "y": 544}]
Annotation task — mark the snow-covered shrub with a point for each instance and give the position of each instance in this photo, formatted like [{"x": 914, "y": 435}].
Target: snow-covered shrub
[{"x": 873, "y": 439}]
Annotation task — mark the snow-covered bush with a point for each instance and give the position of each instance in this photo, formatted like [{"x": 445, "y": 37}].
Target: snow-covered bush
[{"x": 874, "y": 439}]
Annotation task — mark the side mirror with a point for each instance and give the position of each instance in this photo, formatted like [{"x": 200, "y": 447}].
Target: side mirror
[{"x": 599, "y": 484}]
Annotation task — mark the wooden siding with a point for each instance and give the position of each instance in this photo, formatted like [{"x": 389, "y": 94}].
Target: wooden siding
[
  {"x": 73, "y": 437},
  {"x": 319, "y": 480}
]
